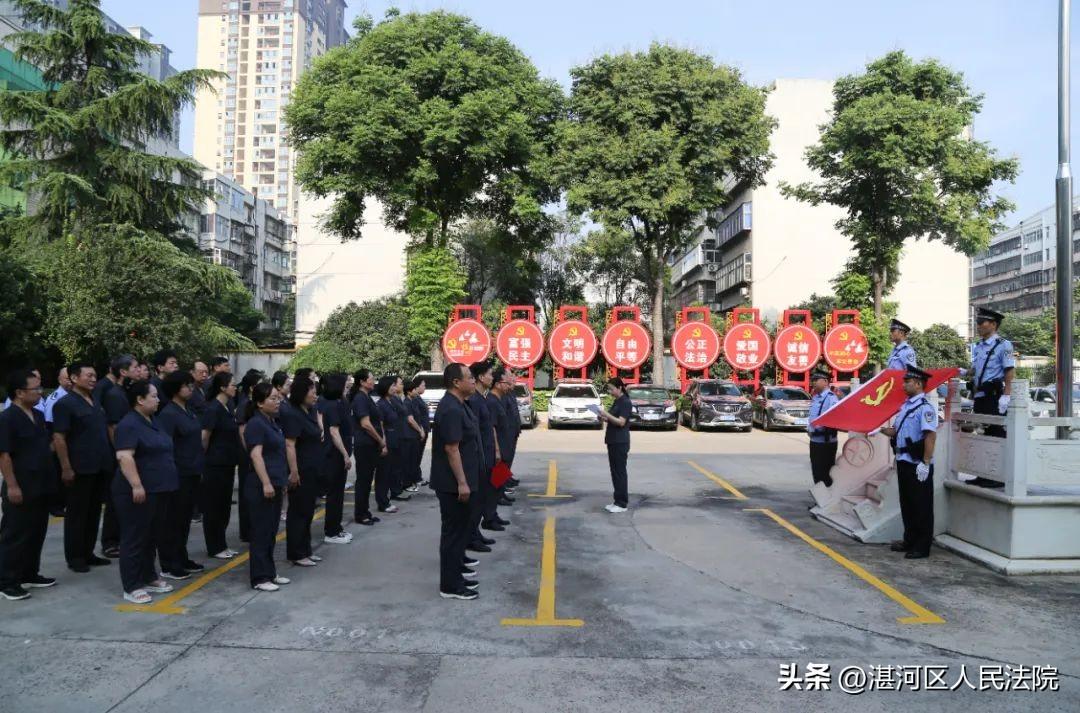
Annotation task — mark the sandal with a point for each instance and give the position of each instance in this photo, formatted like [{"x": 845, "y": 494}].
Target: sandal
[
  {"x": 159, "y": 586},
  {"x": 305, "y": 562},
  {"x": 282, "y": 580},
  {"x": 266, "y": 587},
  {"x": 139, "y": 596}
]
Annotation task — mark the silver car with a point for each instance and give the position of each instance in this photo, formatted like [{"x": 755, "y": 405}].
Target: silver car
[{"x": 781, "y": 407}]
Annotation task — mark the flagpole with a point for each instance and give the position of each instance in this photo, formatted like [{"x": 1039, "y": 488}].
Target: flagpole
[{"x": 1064, "y": 302}]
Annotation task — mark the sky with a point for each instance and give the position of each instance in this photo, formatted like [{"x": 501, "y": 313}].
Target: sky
[{"x": 1007, "y": 50}]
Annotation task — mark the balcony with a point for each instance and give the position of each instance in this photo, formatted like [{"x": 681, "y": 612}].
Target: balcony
[{"x": 739, "y": 222}]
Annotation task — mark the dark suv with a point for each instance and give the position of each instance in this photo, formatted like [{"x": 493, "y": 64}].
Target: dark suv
[
  {"x": 653, "y": 407},
  {"x": 712, "y": 403}
]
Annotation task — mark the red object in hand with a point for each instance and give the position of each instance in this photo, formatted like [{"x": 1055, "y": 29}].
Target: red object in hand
[{"x": 500, "y": 474}]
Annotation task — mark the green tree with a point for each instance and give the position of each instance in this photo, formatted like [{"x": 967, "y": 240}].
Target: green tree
[
  {"x": 606, "y": 259},
  {"x": 1031, "y": 336},
  {"x": 434, "y": 283},
  {"x": 939, "y": 346},
  {"x": 22, "y": 313},
  {"x": 430, "y": 115},
  {"x": 896, "y": 156},
  {"x": 649, "y": 141},
  {"x": 79, "y": 147},
  {"x": 559, "y": 281},
  {"x": 497, "y": 265},
  {"x": 325, "y": 358},
  {"x": 368, "y": 335}
]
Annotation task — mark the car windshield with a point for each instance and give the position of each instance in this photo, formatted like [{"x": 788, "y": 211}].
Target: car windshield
[
  {"x": 575, "y": 392},
  {"x": 432, "y": 381},
  {"x": 520, "y": 390},
  {"x": 711, "y": 388},
  {"x": 788, "y": 395},
  {"x": 650, "y": 394}
]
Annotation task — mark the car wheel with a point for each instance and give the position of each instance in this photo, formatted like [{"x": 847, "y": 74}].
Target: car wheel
[
  {"x": 694, "y": 425},
  {"x": 767, "y": 425},
  {"x": 746, "y": 429}
]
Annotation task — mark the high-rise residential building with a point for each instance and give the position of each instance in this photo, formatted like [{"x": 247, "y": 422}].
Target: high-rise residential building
[
  {"x": 263, "y": 46},
  {"x": 773, "y": 252},
  {"x": 1017, "y": 273}
]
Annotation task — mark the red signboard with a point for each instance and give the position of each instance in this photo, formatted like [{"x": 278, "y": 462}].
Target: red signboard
[
  {"x": 626, "y": 344},
  {"x": 696, "y": 346},
  {"x": 519, "y": 344},
  {"x": 876, "y": 401},
  {"x": 746, "y": 346},
  {"x": 572, "y": 344},
  {"x": 846, "y": 348},
  {"x": 466, "y": 341},
  {"x": 797, "y": 348}
]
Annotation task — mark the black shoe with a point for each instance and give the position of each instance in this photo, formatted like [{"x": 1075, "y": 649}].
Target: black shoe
[
  {"x": 502, "y": 521},
  {"x": 110, "y": 552},
  {"x": 493, "y": 526},
  {"x": 196, "y": 517},
  {"x": 401, "y": 498},
  {"x": 57, "y": 512},
  {"x": 468, "y": 573},
  {"x": 513, "y": 482},
  {"x": 192, "y": 566},
  {"x": 462, "y": 593},
  {"x": 368, "y": 521},
  {"x": 478, "y": 547},
  {"x": 80, "y": 567},
  {"x": 176, "y": 574},
  {"x": 38, "y": 582},
  {"x": 913, "y": 555},
  {"x": 470, "y": 562},
  {"x": 899, "y": 546},
  {"x": 15, "y": 593},
  {"x": 472, "y": 586},
  {"x": 505, "y": 501},
  {"x": 96, "y": 561},
  {"x": 489, "y": 541}
]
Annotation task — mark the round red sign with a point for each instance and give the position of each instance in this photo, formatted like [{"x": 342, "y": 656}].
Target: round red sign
[
  {"x": 572, "y": 344},
  {"x": 846, "y": 348},
  {"x": 746, "y": 346},
  {"x": 466, "y": 341},
  {"x": 797, "y": 348},
  {"x": 695, "y": 345},
  {"x": 519, "y": 344},
  {"x": 626, "y": 345}
]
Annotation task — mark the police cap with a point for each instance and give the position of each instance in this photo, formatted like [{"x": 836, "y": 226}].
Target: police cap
[
  {"x": 914, "y": 372},
  {"x": 897, "y": 324},
  {"x": 818, "y": 375},
  {"x": 985, "y": 313}
]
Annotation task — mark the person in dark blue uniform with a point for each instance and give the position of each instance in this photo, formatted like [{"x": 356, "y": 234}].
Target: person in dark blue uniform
[
  {"x": 302, "y": 425},
  {"x": 221, "y": 442},
  {"x": 115, "y": 402},
  {"x": 388, "y": 388},
  {"x": 200, "y": 375},
  {"x": 823, "y": 440},
  {"x": 145, "y": 475},
  {"x": 369, "y": 449},
  {"x": 914, "y": 436},
  {"x": 87, "y": 461},
  {"x": 457, "y": 461},
  {"x": 163, "y": 362},
  {"x": 510, "y": 405},
  {"x": 337, "y": 458},
  {"x": 423, "y": 417},
  {"x": 902, "y": 355},
  {"x": 180, "y": 423},
  {"x": 243, "y": 468},
  {"x": 412, "y": 437},
  {"x": 617, "y": 439},
  {"x": 266, "y": 490},
  {"x": 30, "y": 481},
  {"x": 486, "y": 495}
]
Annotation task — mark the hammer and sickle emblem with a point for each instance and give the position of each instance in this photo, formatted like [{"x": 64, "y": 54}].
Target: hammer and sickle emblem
[
  {"x": 626, "y": 331},
  {"x": 573, "y": 331},
  {"x": 696, "y": 332},
  {"x": 520, "y": 331},
  {"x": 746, "y": 334},
  {"x": 798, "y": 336},
  {"x": 452, "y": 344},
  {"x": 882, "y": 392},
  {"x": 844, "y": 336}
]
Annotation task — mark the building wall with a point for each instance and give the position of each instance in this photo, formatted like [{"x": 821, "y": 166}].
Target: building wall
[{"x": 331, "y": 273}]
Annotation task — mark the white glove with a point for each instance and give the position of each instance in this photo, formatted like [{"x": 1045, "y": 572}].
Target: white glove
[
  {"x": 1003, "y": 403},
  {"x": 873, "y": 433},
  {"x": 922, "y": 472}
]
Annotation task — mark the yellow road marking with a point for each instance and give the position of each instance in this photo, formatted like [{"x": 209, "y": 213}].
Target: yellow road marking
[
  {"x": 552, "y": 484},
  {"x": 168, "y": 604},
  {"x": 718, "y": 480},
  {"x": 545, "y": 605},
  {"x": 922, "y": 615},
  {"x": 55, "y": 520}
]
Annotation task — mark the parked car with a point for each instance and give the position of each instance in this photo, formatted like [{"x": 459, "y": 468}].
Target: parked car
[
  {"x": 966, "y": 404},
  {"x": 715, "y": 403},
  {"x": 781, "y": 407},
  {"x": 653, "y": 407},
  {"x": 435, "y": 389},
  {"x": 569, "y": 405},
  {"x": 525, "y": 405},
  {"x": 1044, "y": 401}
]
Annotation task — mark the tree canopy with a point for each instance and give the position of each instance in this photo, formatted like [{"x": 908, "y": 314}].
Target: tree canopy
[
  {"x": 649, "y": 141},
  {"x": 939, "y": 346},
  {"x": 366, "y": 335},
  {"x": 436, "y": 118},
  {"x": 898, "y": 157}
]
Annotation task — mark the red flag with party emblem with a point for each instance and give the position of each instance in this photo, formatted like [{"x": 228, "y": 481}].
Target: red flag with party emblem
[{"x": 876, "y": 401}]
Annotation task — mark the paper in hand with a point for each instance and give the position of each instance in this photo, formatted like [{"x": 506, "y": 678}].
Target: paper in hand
[{"x": 594, "y": 408}]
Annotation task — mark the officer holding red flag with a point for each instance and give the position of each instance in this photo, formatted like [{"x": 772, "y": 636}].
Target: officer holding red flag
[
  {"x": 913, "y": 436},
  {"x": 823, "y": 441}
]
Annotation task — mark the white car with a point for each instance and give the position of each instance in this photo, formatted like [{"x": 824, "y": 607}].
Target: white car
[
  {"x": 434, "y": 390},
  {"x": 570, "y": 403}
]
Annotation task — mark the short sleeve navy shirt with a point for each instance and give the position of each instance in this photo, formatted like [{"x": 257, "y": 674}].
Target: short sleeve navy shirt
[
  {"x": 391, "y": 421},
  {"x": 455, "y": 423},
  {"x": 26, "y": 440},
  {"x": 84, "y": 426},
  {"x": 183, "y": 426},
  {"x": 331, "y": 418},
  {"x": 622, "y": 408},
  {"x": 486, "y": 423},
  {"x": 261, "y": 431},
  {"x": 345, "y": 423},
  {"x": 224, "y": 449},
  {"x": 404, "y": 411},
  {"x": 115, "y": 403},
  {"x": 304, "y": 427},
  {"x": 363, "y": 406},
  {"x": 153, "y": 453}
]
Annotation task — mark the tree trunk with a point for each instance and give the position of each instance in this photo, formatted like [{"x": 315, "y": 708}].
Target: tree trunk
[
  {"x": 878, "y": 277},
  {"x": 658, "y": 327},
  {"x": 438, "y": 360}
]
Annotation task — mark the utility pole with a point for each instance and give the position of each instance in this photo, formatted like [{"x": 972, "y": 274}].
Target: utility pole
[{"x": 1064, "y": 301}]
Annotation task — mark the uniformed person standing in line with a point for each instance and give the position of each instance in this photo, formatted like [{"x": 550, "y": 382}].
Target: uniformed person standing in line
[
  {"x": 337, "y": 455},
  {"x": 30, "y": 480},
  {"x": 514, "y": 422},
  {"x": 388, "y": 388},
  {"x": 914, "y": 435},
  {"x": 265, "y": 490},
  {"x": 114, "y": 399},
  {"x": 87, "y": 461},
  {"x": 224, "y": 450},
  {"x": 823, "y": 441},
  {"x": 303, "y": 428},
  {"x": 61, "y": 391},
  {"x": 457, "y": 462},
  {"x": 179, "y": 422},
  {"x": 993, "y": 366},
  {"x": 423, "y": 417},
  {"x": 617, "y": 439},
  {"x": 903, "y": 355},
  {"x": 412, "y": 437},
  {"x": 200, "y": 374},
  {"x": 369, "y": 448},
  {"x": 486, "y": 494}
]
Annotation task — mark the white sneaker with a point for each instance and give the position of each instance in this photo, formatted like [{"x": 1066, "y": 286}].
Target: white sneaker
[
  {"x": 305, "y": 562},
  {"x": 159, "y": 587},
  {"x": 615, "y": 508},
  {"x": 337, "y": 540},
  {"x": 392, "y": 509},
  {"x": 267, "y": 587},
  {"x": 315, "y": 558},
  {"x": 139, "y": 596},
  {"x": 347, "y": 535},
  {"x": 281, "y": 580},
  {"x": 413, "y": 489},
  {"x": 232, "y": 553},
  {"x": 224, "y": 555}
]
